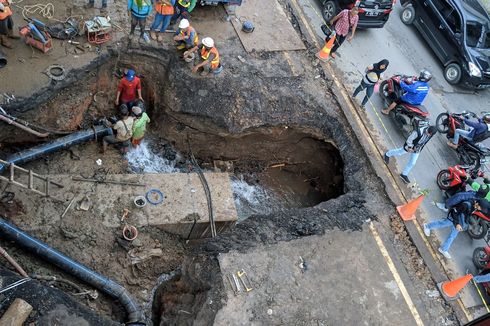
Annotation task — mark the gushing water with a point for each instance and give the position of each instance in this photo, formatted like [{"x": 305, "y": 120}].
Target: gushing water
[
  {"x": 250, "y": 199},
  {"x": 143, "y": 160}
]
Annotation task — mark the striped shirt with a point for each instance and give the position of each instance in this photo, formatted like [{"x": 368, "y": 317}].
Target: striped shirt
[{"x": 342, "y": 24}]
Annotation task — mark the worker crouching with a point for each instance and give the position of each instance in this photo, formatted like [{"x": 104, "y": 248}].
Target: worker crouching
[
  {"x": 186, "y": 36},
  {"x": 124, "y": 132},
  {"x": 209, "y": 59}
]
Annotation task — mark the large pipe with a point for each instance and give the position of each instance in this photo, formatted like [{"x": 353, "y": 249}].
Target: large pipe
[
  {"x": 18, "y": 125},
  {"x": 83, "y": 273},
  {"x": 3, "y": 59},
  {"x": 55, "y": 145}
]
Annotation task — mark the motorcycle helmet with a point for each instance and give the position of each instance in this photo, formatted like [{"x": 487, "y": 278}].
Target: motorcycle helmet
[
  {"x": 425, "y": 75},
  {"x": 486, "y": 117}
]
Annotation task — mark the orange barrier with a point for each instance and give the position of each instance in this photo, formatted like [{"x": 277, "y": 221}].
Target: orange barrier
[
  {"x": 407, "y": 211},
  {"x": 450, "y": 289},
  {"x": 325, "y": 51}
]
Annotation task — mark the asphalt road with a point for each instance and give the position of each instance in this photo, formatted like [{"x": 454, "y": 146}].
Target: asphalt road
[{"x": 408, "y": 53}]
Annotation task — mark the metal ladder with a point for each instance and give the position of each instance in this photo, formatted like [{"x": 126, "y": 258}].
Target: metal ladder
[{"x": 31, "y": 177}]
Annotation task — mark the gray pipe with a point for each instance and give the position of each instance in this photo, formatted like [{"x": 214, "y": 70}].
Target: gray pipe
[
  {"x": 55, "y": 145},
  {"x": 3, "y": 59},
  {"x": 83, "y": 273}
]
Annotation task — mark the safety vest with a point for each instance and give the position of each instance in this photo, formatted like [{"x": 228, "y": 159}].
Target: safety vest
[
  {"x": 205, "y": 55},
  {"x": 190, "y": 29},
  {"x": 6, "y": 12},
  {"x": 164, "y": 9},
  {"x": 185, "y": 3}
]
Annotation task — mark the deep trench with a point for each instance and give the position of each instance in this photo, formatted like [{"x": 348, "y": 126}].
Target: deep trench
[{"x": 295, "y": 166}]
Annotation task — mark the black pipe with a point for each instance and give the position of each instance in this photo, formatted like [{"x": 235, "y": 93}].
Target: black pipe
[
  {"x": 3, "y": 59},
  {"x": 55, "y": 145},
  {"x": 83, "y": 273}
]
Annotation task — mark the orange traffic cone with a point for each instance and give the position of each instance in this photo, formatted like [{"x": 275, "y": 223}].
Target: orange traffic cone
[
  {"x": 407, "y": 211},
  {"x": 325, "y": 51},
  {"x": 450, "y": 289}
]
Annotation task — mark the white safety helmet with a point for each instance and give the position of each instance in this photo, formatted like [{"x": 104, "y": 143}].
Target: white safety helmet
[
  {"x": 208, "y": 42},
  {"x": 184, "y": 23}
]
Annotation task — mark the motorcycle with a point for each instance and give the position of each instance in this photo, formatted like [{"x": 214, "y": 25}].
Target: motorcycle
[
  {"x": 478, "y": 225},
  {"x": 469, "y": 153},
  {"x": 454, "y": 179},
  {"x": 405, "y": 115}
]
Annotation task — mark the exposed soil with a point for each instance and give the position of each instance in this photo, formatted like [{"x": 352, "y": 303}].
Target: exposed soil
[{"x": 282, "y": 131}]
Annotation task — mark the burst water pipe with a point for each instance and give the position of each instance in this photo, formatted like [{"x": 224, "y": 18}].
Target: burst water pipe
[
  {"x": 55, "y": 145},
  {"x": 135, "y": 313}
]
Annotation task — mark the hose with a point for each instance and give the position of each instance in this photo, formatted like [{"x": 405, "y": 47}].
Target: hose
[
  {"x": 18, "y": 125},
  {"x": 35, "y": 126},
  {"x": 83, "y": 273},
  {"x": 13, "y": 262}
]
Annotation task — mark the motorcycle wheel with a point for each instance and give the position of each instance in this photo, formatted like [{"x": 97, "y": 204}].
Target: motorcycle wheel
[
  {"x": 480, "y": 258},
  {"x": 477, "y": 228},
  {"x": 383, "y": 90},
  {"x": 443, "y": 179},
  {"x": 442, "y": 123},
  {"x": 471, "y": 159}
]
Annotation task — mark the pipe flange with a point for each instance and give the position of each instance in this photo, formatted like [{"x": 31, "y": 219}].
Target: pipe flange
[{"x": 56, "y": 72}]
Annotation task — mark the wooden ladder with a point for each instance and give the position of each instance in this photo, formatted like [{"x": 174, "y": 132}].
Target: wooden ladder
[{"x": 32, "y": 176}]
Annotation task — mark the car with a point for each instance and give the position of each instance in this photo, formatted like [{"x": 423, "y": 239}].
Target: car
[
  {"x": 372, "y": 14},
  {"x": 458, "y": 31}
]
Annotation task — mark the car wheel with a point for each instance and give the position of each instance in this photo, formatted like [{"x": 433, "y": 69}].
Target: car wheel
[
  {"x": 408, "y": 15},
  {"x": 329, "y": 10},
  {"x": 452, "y": 73}
]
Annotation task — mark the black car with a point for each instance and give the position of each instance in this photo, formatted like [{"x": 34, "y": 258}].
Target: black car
[
  {"x": 372, "y": 13},
  {"x": 458, "y": 31}
]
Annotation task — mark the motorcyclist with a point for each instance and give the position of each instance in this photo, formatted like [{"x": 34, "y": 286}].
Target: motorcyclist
[
  {"x": 475, "y": 132},
  {"x": 482, "y": 190},
  {"x": 415, "y": 92},
  {"x": 461, "y": 205}
]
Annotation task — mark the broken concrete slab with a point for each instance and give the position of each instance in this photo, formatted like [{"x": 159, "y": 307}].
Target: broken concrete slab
[
  {"x": 271, "y": 26},
  {"x": 308, "y": 281},
  {"x": 184, "y": 201}
]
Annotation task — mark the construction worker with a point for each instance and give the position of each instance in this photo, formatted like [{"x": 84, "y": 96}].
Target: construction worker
[
  {"x": 139, "y": 10},
  {"x": 186, "y": 36},
  {"x": 139, "y": 125},
  {"x": 6, "y": 24},
  {"x": 164, "y": 11},
  {"x": 129, "y": 90},
  {"x": 123, "y": 129},
  {"x": 209, "y": 57},
  {"x": 183, "y": 8}
]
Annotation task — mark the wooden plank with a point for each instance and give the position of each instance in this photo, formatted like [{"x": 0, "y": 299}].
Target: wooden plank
[{"x": 17, "y": 313}]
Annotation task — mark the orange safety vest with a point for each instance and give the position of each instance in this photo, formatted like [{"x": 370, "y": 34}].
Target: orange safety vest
[
  {"x": 164, "y": 9},
  {"x": 185, "y": 3},
  {"x": 205, "y": 55},
  {"x": 190, "y": 29},
  {"x": 6, "y": 12}
]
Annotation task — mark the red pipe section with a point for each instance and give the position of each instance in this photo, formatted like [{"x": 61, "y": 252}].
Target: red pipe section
[
  {"x": 13, "y": 262},
  {"x": 18, "y": 125}
]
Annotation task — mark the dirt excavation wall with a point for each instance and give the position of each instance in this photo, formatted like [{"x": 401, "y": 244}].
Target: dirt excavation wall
[{"x": 244, "y": 116}]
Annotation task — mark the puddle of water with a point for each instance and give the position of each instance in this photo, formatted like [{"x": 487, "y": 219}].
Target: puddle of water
[{"x": 143, "y": 160}]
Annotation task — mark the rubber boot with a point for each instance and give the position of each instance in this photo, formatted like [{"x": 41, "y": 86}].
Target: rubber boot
[{"x": 6, "y": 42}]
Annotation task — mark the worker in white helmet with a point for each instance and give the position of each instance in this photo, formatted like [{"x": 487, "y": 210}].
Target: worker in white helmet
[
  {"x": 209, "y": 60},
  {"x": 186, "y": 36}
]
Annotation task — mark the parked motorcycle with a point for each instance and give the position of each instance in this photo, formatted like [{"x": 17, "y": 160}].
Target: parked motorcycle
[
  {"x": 405, "y": 115},
  {"x": 481, "y": 260},
  {"x": 454, "y": 179},
  {"x": 470, "y": 153}
]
